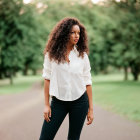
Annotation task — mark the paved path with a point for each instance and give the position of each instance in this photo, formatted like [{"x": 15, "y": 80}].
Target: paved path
[{"x": 21, "y": 118}]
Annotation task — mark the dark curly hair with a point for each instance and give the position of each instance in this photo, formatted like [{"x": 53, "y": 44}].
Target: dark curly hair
[{"x": 59, "y": 36}]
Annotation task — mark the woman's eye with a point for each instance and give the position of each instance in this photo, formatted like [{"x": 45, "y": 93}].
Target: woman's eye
[{"x": 73, "y": 32}]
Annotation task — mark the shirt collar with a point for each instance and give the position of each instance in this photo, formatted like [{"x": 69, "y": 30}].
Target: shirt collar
[{"x": 74, "y": 48}]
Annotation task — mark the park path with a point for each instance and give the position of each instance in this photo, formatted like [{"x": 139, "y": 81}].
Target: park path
[{"x": 21, "y": 118}]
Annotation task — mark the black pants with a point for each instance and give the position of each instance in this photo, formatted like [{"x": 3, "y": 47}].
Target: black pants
[{"x": 77, "y": 111}]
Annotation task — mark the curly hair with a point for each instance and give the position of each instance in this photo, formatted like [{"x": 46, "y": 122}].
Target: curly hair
[{"x": 59, "y": 36}]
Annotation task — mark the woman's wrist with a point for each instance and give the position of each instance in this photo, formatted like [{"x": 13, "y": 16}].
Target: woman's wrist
[
  {"x": 91, "y": 108},
  {"x": 47, "y": 104}
]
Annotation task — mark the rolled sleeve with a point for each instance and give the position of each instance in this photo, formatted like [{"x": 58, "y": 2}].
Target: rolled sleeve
[
  {"x": 46, "y": 73},
  {"x": 86, "y": 71}
]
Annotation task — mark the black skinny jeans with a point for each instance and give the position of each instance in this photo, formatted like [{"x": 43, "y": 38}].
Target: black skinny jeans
[{"x": 77, "y": 111}]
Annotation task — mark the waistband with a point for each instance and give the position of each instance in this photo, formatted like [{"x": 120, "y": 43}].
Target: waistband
[{"x": 84, "y": 94}]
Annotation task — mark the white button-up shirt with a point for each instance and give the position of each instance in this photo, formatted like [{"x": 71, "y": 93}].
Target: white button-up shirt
[{"x": 68, "y": 80}]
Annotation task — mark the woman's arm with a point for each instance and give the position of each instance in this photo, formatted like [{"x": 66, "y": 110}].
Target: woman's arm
[
  {"x": 46, "y": 91},
  {"x": 47, "y": 109},
  {"x": 89, "y": 93},
  {"x": 90, "y": 115},
  {"x": 88, "y": 80},
  {"x": 47, "y": 75},
  {"x": 88, "y": 83}
]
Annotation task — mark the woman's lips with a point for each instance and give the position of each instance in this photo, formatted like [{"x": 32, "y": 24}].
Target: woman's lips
[{"x": 76, "y": 40}]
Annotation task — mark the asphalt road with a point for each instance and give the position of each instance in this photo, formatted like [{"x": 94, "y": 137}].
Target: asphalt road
[{"x": 21, "y": 118}]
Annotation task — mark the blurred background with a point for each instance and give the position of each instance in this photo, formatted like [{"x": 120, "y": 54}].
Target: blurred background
[{"x": 113, "y": 28}]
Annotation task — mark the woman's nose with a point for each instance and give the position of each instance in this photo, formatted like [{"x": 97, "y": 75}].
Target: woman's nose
[{"x": 77, "y": 35}]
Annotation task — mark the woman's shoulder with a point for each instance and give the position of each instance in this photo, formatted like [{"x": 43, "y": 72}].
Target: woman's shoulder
[{"x": 85, "y": 55}]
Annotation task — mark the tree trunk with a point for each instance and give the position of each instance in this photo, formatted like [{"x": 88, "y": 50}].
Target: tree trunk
[
  {"x": 25, "y": 70},
  {"x": 34, "y": 72},
  {"x": 135, "y": 71},
  {"x": 11, "y": 77},
  {"x": 136, "y": 76},
  {"x": 125, "y": 73}
]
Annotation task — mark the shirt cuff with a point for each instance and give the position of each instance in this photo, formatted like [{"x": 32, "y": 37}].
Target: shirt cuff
[
  {"x": 46, "y": 76},
  {"x": 88, "y": 80},
  {"x": 46, "y": 72}
]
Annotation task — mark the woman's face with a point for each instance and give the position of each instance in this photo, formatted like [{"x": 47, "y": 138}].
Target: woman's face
[{"x": 74, "y": 35}]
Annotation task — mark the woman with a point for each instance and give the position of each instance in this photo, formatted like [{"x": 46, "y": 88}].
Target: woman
[{"x": 67, "y": 80}]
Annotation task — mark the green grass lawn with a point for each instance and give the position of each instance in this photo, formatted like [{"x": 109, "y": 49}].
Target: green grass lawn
[
  {"x": 114, "y": 94},
  {"x": 21, "y": 83},
  {"x": 109, "y": 91}
]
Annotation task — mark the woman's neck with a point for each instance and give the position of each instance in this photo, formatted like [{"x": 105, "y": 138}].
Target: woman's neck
[{"x": 70, "y": 47}]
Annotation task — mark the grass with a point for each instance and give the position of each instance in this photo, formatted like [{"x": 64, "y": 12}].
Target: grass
[
  {"x": 119, "y": 96},
  {"x": 21, "y": 83},
  {"x": 109, "y": 91}
]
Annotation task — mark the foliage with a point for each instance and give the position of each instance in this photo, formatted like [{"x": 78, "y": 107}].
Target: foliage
[{"x": 113, "y": 31}]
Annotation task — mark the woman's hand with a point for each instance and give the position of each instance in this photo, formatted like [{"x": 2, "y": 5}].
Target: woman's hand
[
  {"x": 90, "y": 116},
  {"x": 47, "y": 113}
]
